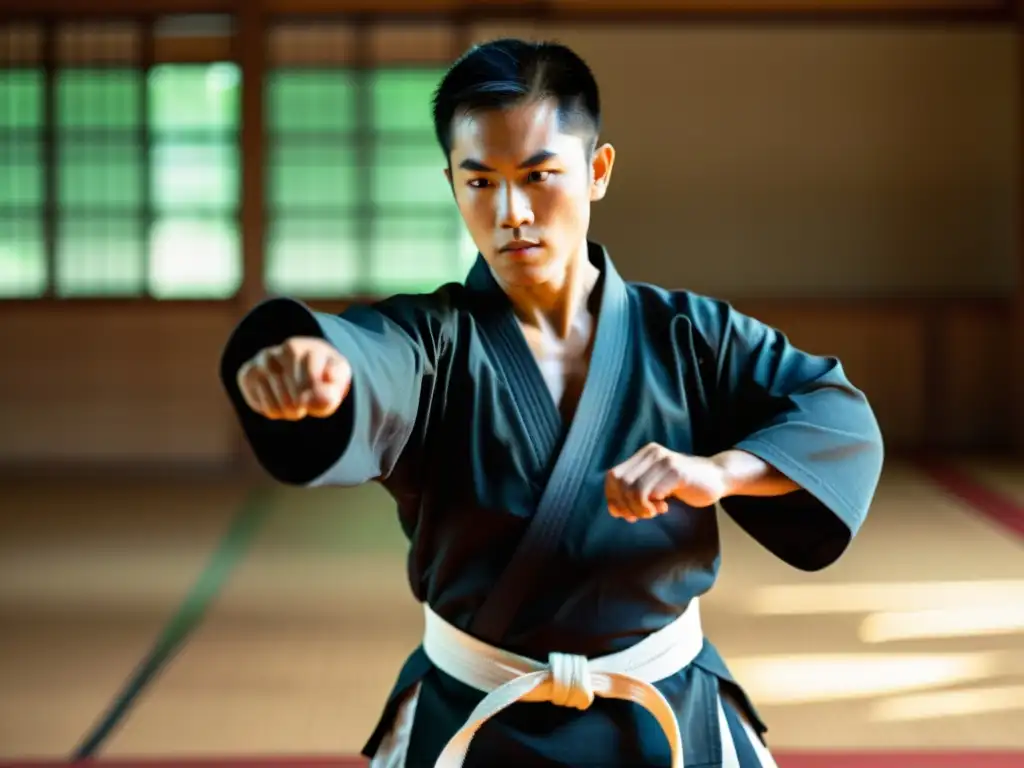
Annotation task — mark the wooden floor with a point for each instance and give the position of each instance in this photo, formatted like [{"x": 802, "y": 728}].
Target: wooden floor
[{"x": 915, "y": 639}]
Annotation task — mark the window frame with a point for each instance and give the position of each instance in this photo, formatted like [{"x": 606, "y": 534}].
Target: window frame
[
  {"x": 363, "y": 138},
  {"x": 253, "y": 217},
  {"x": 32, "y": 214},
  {"x": 153, "y": 51}
]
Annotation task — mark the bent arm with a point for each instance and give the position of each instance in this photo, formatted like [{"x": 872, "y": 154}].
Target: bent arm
[
  {"x": 809, "y": 429},
  {"x": 392, "y": 349}
]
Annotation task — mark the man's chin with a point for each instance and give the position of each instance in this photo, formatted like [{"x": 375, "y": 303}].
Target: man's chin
[
  {"x": 528, "y": 271},
  {"x": 527, "y": 275}
]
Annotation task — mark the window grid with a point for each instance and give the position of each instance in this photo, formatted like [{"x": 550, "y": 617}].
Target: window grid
[
  {"x": 121, "y": 195},
  {"x": 99, "y": 180},
  {"x": 147, "y": 190},
  {"x": 96, "y": 90},
  {"x": 118, "y": 176},
  {"x": 194, "y": 241},
  {"x": 313, "y": 245},
  {"x": 22, "y": 183},
  {"x": 357, "y": 203}
]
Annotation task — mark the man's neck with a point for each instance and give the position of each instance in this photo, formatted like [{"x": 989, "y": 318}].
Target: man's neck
[{"x": 555, "y": 304}]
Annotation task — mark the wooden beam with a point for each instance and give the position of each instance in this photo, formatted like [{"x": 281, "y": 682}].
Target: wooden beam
[
  {"x": 195, "y": 50},
  {"x": 566, "y": 11},
  {"x": 130, "y": 8},
  {"x": 1016, "y": 355},
  {"x": 250, "y": 43},
  {"x": 363, "y": 7},
  {"x": 146, "y": 136},
  {"x": 668, "y": 11},
  {"x": 823, "y": 7},
  {"x": 49, "y": 155},
  {"x": 782, "y": 11}
]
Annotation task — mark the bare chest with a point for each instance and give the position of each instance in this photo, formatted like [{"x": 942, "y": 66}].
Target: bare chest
[{"x": 563, "y": 362}]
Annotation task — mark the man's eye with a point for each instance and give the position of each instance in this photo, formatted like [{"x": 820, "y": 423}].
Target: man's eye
[{"x": 537, "y": 177}]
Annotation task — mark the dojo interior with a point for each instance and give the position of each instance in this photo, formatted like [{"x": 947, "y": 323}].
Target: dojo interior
[{"x": 849, "y": 171}]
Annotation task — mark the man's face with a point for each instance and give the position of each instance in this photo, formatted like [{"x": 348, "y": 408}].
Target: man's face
[{"x": 524, "y": 189}]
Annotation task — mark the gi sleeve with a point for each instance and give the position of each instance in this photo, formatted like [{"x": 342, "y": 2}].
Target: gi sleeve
[
  {"x": 393, "y": 348},
  {"x": 801, "y": 414}
]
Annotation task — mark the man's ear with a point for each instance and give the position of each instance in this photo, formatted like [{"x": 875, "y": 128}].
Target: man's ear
[{"x": 601, "y": 169}]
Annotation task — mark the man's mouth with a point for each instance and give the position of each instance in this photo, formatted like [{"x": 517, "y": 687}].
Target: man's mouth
[{"x": 520, "y": 246}]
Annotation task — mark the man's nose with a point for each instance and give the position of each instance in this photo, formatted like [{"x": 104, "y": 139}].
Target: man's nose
[{"x": 516, "y": 211}]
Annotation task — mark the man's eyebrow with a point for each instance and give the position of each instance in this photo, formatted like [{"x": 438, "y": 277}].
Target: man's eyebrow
[
  {"x": 475, "y": 165},
  {"x": 536, "y": 159},
  {"x": 543, "y": 156}
]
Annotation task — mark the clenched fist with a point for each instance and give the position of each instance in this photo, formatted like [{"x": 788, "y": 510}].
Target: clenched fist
[
  {"x": 640, "y": 487},
  {"x": 302, "y": 377}
]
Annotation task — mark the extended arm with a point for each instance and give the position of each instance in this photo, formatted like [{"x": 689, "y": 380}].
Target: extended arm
[{"x": 392, "y": 349}]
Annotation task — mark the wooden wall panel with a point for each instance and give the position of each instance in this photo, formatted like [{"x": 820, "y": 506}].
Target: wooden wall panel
[
  {"x": 114, "y": 384},
  {"x": 121, "y": 385},
  {"x": 118, "y": 384},
  {"x": 976, "y": 376},
  {"x": 882, "y": 348}
]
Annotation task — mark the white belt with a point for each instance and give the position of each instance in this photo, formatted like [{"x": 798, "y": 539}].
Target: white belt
[{"x": 566, "y": 680}]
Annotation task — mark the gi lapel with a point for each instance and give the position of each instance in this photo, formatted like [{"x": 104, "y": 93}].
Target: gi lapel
[{"x": 574, "y": 456}]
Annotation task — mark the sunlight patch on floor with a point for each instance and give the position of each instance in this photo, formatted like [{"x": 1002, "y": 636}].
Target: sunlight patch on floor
[
  {"x": 846, "y": 597},
  {"x": 960, "y": 621},
  {"x": 798, "y": 679},
  {"x": 924, "y": 706}
]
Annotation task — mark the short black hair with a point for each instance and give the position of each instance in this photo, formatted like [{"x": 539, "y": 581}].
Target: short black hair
[{"x": 505, "y": 72}]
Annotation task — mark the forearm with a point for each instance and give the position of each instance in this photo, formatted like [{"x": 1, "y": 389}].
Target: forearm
[
  {"x": 362, "y": 439},
  {"x": 748, "y": 475},
  {"x": 293, "y": 452}
]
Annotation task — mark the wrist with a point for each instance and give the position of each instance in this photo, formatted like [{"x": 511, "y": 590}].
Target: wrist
[
  {"x": 738, "y": 470},
  {"x": 744, "y": 474},
  {"x": 726, "y": 476}
]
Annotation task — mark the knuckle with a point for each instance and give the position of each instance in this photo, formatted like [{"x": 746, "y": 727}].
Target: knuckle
[
  {"x": 249, "y": 383},
  {"x": 289, "y": 351},
  {"x": 243, "y": 379},
  {"x": 306, "y": 365},
  {"x": 275, "y": 357}
]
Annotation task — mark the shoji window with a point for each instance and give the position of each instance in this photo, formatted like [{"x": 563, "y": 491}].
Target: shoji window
[
  {"x": 22, "y": 166},
  {"x": 314, "y": 180},
  {"x": 136, "y": 160},
  {"x": 193, "y": 110},
  {"x": 357, "y": 200},
  {"x": 100, "y": 155}
]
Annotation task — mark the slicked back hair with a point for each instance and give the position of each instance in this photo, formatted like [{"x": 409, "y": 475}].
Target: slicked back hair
[{"x": 507, "y": 72}]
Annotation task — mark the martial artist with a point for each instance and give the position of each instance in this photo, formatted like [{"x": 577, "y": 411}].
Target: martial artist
[{"x": 556, "y": 440}]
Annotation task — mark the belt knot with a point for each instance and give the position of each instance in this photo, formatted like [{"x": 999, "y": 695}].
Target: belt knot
[{"x": 570, "y": 680}]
